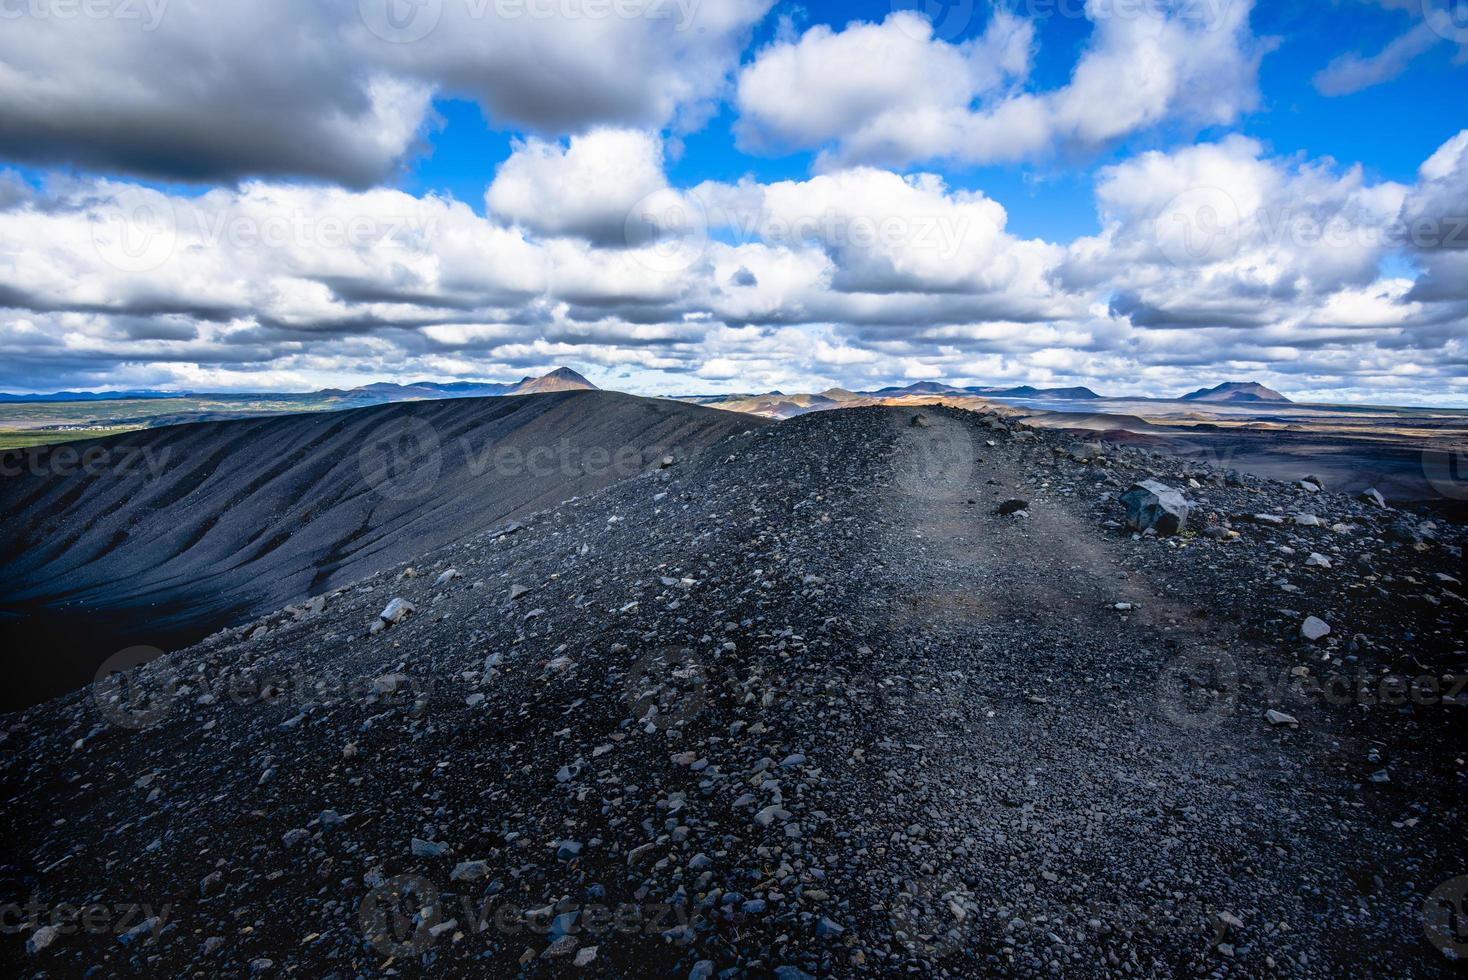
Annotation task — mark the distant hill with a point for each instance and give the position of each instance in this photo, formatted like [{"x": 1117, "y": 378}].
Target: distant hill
[
  {"x": 1029, "y": 391},
  {"x": 1235, "y": 391},
  {"x": 376, "y": 393},
  {"x": 1017, "y": 391},
  {"x": 561, "y": 379},
  {"x": 88, "y": 396},
  {"x": 917, "y": 388}
]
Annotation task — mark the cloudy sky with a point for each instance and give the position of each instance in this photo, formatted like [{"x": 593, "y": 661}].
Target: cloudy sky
[{"x": 679, "y": 196}]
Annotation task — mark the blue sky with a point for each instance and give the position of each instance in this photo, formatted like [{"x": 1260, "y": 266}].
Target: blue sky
[
  {"x": 1047, "y": 179},
  {"x": 1390, "y": 128}
]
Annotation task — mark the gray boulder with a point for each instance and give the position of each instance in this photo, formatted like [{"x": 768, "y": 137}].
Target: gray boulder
[
  {"x": 1151, "y": 505},
  {"x": 1373, "y": 496}
]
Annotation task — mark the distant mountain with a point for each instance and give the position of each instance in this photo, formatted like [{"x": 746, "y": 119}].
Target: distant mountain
[
  {"x": 1029, "y": 391},
  {"x": 89, "y": 396},
  {"x": 917, "y": 388},
  {"x": 376, "y": 393},
  {"x": 1235, "y": 391},
  {"x": 561, "y": 379}
]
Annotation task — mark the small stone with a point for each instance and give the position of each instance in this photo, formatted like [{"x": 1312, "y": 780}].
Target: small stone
[
  {"x": 1313, "y": 628},
  {"x": 397, "y": 610},
  {"x": 427, "y": 849},
  {"x": 447, "y": 577},
  {"x": 516, "y": 591},
  {"x": 1278, "y": 718},
  {"x": 467, "y": 870},
  {"x": 41, "y": 938},
  {"x": 770, "y": 814},
  {"x": 828, "y": 927}
]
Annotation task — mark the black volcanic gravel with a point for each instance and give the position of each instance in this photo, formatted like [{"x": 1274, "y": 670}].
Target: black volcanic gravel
[{"x": 803, "y": 705}]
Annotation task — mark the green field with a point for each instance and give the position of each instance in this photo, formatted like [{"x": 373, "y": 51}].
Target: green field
[
  {"x": 25, "y": 438},
  {"x": 27, "y": 424}
]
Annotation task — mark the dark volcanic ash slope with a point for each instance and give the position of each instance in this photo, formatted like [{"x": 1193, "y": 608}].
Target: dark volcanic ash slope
[
  {"x": 812, "y": 704},
  {"x": 159, "y": 537}
]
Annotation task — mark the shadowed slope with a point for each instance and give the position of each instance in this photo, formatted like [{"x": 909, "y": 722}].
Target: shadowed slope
[{"x": 180, "y": 530}]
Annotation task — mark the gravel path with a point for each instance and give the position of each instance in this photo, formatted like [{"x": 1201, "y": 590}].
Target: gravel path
[{"x": 805, "y": 704}]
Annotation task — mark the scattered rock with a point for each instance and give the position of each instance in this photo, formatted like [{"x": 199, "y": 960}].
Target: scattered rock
[
  {"x": 1154, "y": 506},
  {"x": 396, "y": 611}
]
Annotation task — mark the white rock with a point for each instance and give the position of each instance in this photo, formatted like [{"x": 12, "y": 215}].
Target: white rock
[
  {"x": 397, "y": 610},
  {"x": 1313, "y": 628},
  {"x": 1280, "y": 718}
]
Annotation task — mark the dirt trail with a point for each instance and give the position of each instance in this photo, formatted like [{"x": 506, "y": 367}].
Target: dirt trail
[{"x": 1080, "y": 811}]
